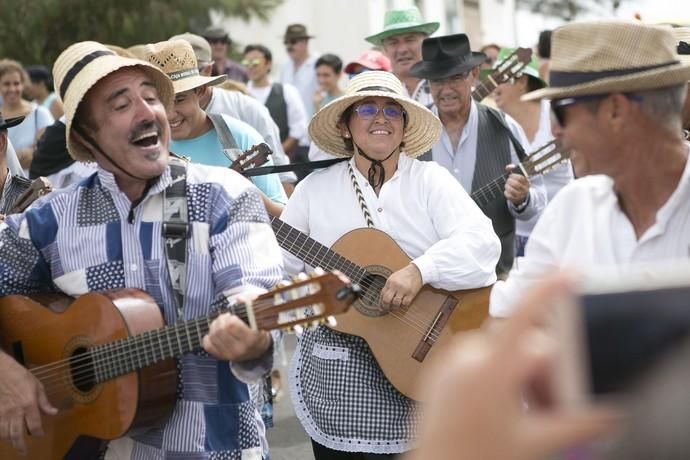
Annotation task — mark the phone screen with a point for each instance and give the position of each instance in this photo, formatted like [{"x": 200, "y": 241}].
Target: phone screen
[{"x": 627, "y": 333}]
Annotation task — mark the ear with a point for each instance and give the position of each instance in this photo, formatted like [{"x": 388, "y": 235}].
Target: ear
[
  {"x": 618, "y": 111},
  {"x": 475, "y": 73},
  {"x": 344, "y": 130}
]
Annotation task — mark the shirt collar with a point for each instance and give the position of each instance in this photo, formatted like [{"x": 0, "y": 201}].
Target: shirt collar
[{"x": 107, "y": 180}]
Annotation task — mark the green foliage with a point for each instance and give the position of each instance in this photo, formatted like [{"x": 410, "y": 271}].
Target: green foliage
[
  {"x": 36, "y": 31},
  {"x": 566, "y": 9}
]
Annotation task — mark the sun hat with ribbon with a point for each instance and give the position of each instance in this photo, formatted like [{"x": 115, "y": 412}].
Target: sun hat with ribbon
[
  {"x": 422, "y": 131},
  {"x": 177, "y": 59},
  {"x": 590, "y": 58},
  {"x": 81, "y": 66},
  {"x": 403, "y": 21}
]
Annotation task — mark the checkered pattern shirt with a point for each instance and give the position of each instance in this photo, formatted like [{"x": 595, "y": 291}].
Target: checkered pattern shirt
[{"x": 89, "y": 238}]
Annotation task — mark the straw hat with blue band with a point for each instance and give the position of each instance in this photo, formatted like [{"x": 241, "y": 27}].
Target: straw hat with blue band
[
  {"x": 403, "y": 21},
  {"x": 422, "y": 131},
  {"x": 590, "y": 58},
  {"x": 81, "y": 66}
]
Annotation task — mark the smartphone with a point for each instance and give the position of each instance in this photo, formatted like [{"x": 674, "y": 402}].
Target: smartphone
[{"x": 617, "y": 328}]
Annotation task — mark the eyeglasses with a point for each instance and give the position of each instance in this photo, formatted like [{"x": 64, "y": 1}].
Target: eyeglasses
[
  {"x": 292, "y": 41},
  {"x": 370, "y": 111},
  {"x": 214, "y": 41},
  {"x": 558, "y": 106},
  {"x": 251, "y": 62},
  {"x": 452, "y": 80}
]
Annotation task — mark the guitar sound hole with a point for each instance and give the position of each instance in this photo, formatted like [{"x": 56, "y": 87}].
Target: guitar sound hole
[
  {"x": 82, "y": 370},
  {"x": 369, "y": 303}
]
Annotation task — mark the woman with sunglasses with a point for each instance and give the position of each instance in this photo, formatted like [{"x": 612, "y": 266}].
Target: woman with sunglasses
[
  {"x": 341, "y": 396},
  {"x": 535, "y": 119}
]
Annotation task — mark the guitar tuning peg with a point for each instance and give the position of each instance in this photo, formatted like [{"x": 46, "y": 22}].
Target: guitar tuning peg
[
  {"x": 318, "y": 271},
  {"x": 298, "y": 329},
  {"x": 332, "y": 322}
]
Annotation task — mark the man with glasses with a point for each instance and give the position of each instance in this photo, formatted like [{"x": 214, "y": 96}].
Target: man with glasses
[
  {"x": 219, "y": 41},
  {"x": 282, "y": 100},
  {"x": 478, "y": 144},
  {"x": 401, "y": 40},
  {"x": 617, "y": 91}
]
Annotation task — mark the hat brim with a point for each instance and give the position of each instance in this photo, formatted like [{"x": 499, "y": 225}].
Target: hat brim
[
  {"x": 10, "y": 122},
  {"x": 433, "y": 71},
  {"x": 422, "y": 131},
  {"x": 94, "y": 72},
  {"x": 641, "y": 81},
  {"x": 197, "y": 81},
  {"x": 426, "y": 28}
]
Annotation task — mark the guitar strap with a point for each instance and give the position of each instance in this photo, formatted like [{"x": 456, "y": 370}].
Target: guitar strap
[
  {"x": 176, "y": 230},
  {"x": 227, "y": 140},
  {"x": 519, "y": 150},
  {"x": 360, "y": 197}
]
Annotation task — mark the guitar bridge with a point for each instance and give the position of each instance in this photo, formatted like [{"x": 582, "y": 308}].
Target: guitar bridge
[{"x": 434, "y": 331}]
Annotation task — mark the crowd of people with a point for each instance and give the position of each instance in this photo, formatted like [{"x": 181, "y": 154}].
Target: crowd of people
[{"x": 422, "y": 156}]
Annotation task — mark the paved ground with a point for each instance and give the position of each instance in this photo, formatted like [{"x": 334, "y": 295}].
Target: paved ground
[{"x": 287, "y": 439}]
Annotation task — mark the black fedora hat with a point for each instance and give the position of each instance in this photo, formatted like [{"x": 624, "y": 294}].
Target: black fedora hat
[
  {"x": 443, "y": 57},
  {"x": 4, "y": 124}
]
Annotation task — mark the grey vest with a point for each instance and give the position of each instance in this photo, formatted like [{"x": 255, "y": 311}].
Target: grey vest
[
  {"x": 493, "y": 154},
  {"x": 275, "y": 103}
]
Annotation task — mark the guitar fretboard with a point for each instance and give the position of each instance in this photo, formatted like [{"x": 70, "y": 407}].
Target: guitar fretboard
[
  {"x": 314, "y": 253},
  {"x": 487, "y": 193}
]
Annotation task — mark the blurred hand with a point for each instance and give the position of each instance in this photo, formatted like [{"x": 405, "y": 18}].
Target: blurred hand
[
  {"x": 401, "y": 287},
  {"x": 475, "y": 408},
  {"x": 22, "y": 399},
  {"x": 517, "y": 187}
]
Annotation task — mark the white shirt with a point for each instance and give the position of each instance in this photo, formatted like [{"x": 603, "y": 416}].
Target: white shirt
[
  {"x": 584, "y": 227},
  {"x": 296, "y": 115},
  {"x": 304, "y": 79},
  {"x": 252, "y": 112},
  {"x": 555, "y": 179},
  {"x": 421, "y": 207},
  {"x": 461, "y": 161},
  {"x": 421, "y": 93}
]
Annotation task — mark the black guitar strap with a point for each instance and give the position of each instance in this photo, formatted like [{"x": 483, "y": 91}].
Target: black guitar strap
[{"x": 519, "y": 150}]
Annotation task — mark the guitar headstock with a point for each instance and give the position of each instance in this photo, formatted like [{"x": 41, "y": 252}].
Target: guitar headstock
[
  {"x": 544, "y": 159},
  {"x": 254, "y": 157},
  {"x": 306, "y": 299},
  {"x": 37, "y": 189},
  {"x": 509, "y": 68}
]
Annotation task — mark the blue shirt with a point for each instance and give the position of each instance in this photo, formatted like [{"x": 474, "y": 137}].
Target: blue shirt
[
  {"x": 80, "y": 239},
  {"x": 207, "y": 149}
]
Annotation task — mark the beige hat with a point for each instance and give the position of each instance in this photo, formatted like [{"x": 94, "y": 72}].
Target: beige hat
[
  {"x": 589, "y": 58},
  {"x": 422, "y": 131},
  {"x": 177, "y": 59},
  {"x": 202, "y": 50},
  {"x": 81, "y": 66}
]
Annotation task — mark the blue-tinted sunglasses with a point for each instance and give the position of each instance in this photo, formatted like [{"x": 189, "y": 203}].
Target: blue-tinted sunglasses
[{"x": 369, "y": 111}]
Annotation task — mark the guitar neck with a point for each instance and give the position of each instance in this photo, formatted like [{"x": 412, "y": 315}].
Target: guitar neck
[
  {"x": 483, "y": 89},
  {"x": 127, "y": 355},
  {"x": 312, "y": 252},
  {"x": 489, "y": 192}
]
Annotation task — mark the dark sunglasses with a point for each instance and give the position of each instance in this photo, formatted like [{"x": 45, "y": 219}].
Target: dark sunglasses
[
  {"x": 558, "y": 106},
  {"x": 213, "y": 41},
  {"x": 370, "y": 111}
]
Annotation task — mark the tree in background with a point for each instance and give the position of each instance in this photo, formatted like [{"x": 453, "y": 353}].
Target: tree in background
[
  {"x": 36, "y": 31},
  {"x": 566, "y": 9}
]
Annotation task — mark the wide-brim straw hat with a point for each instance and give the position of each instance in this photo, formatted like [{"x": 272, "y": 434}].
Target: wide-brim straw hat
[
  {"x": 590, "y": 58},
  {"x": 177, "y": 59},
  {"x": 81, "y": 66},
  {"x": 422, "y": 131},
  {"x": 682, "y": 35}
]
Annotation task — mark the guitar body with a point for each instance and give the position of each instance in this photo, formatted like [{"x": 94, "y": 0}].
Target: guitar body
[
  {"x": 43, "y": 329},
  {"x": 397, "y": 339}
]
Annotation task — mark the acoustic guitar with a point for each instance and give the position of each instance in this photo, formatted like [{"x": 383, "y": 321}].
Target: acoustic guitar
[
  {"x": 106, "y": 359},
  {"x": 538, "y": 162},
  {"x": 510, "y": 67},
  {"x": 403, "y": 341},
  {"x": 254, "y": 157}
]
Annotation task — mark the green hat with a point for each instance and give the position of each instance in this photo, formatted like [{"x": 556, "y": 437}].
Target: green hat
[
  {"x": 404, "y": 21},
  {"x": 531, "y": 69}
]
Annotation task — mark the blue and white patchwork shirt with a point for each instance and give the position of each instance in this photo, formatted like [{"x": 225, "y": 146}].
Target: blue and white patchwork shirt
[{"x": 89, "y": 238}]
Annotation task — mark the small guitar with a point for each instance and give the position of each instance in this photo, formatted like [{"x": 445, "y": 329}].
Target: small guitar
[
  {"x": 106, "y": 359},
  {"x": 254, "y": 157},
  {"x": 404, "y": 341},
  {"x": 540, "y": 161},
  {"x": 507, "y": 69}
]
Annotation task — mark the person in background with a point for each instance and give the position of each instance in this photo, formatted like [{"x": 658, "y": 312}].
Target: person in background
[
  {"x": 13, "y": 81},
  {"x": 7, "y": 160},
  {"x": 544, "y": 53},
  {"x": 491, "y": 50},
  {"x": 222, "y": 65},
  {"x": 42, "y": 91},
  {"x": 401, "y": 39},
  {"x": 300, "y": 70},
  {"x": 329, "y": 69},
  {"x": 368, "y": 60},
  {"x": 282, "y": 101},
  {"x": 535, "y": 119}
]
